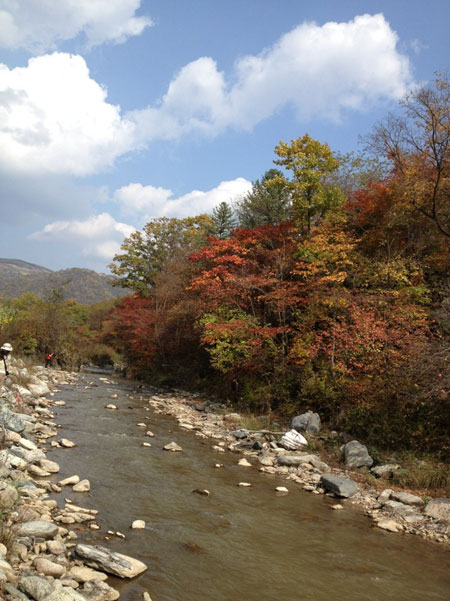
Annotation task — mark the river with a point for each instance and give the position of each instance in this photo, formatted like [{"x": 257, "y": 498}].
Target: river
[{"x": 238, "y": 543}]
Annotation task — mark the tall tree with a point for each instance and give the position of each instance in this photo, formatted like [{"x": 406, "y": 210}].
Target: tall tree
[
  {"x": 145, "y": 254},
  {"x": 267, "y": 203},
  {"x": 417, "y": 142},
  {"x": 311, "y": 164},
  {"x": 223, "y": 220}
]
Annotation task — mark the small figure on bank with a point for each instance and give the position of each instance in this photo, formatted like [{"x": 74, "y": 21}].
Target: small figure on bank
[
  {"x": 48, "y": 359},
  {"x": 5, "y": 351}
]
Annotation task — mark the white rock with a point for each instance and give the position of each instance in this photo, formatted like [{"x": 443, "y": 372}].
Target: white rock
[
  {"x": 141, "y": 425},
  {"x": 244, "y": 484},
  {"x": 114, "y": 396},
  {"x": 244, "y": 463},
  {"x": 70, "y": 480},
  {"x": 149, "y": 433},
  {"x": 49, "y": 466},
  {"x": 82, "y": 486},
  {"x": 27, "y": 444},
  {"x": 138, "y": 524},
  {"x": 219, "y": 465},
  {"x": 172, "y": 446},
  {"x": 146, "y": 444},
  {"x": 281, "y": 489},
  {"x": 110, "y": 406},
  {"x": 68, "y": 444}
]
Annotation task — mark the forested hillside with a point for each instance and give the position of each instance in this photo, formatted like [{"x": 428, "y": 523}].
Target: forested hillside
[{"x": 83, "y": 285}]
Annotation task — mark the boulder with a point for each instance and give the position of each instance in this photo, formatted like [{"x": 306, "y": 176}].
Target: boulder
[
  {"x": 35, "y": 587},
  {"x": 113, "y": 563},
  {"x": 48, "y": 568},
  {"x": 439, "y": 509},
  {"x": 390, "y": 525},
  {"x": 82, "y": 486},
  {"x": 96, "y": 590},
  {"x": 8, "y": 495},
  {"x": 293, "y": 440},
  {"x": 342, "y": 487},
  {"x": 296, "y": 460},
  {"x": 407, "y": 498},
  {"x": 11, "y": 421},
  {"x": 37, "y": 528},
  {"x": 385, "y": 471},
  {"x": 356, "y": 455},
  {"x": 40, "y": 389},
  {"x": 306, "y": 422}
]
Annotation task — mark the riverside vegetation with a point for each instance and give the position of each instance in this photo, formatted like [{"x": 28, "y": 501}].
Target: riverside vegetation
[{"x": 325, "y": 288}]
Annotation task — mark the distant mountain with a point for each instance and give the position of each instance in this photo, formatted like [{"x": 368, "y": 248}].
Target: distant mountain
[{"x": 83, "y": 285}]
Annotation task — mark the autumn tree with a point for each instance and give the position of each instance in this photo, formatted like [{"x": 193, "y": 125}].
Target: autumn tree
[
  {"x": 310, "y": 164},
  {"x": 417, "y": 142},
  {"x": 145, "y": 254}
]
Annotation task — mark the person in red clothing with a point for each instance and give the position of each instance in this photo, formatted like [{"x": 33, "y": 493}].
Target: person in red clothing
[{"x": 48, "y": 359}]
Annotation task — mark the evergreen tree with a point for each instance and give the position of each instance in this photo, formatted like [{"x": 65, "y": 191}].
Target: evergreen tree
[
  {"x": 223, "y": 220},
  {"x": 266, "y": 203}
]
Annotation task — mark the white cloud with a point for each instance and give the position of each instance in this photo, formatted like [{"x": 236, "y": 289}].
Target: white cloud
[
  {"x": 146, "y": 202},
  {"x": 99, "y": 236},
  {"x": 321, "y": 71},
  {"x": 38, "y": 25},
  {"x": 54, "y": 118}
]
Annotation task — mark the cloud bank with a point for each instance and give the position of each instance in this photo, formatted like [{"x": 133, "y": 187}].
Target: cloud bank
[
  {"x": 54, "y": 118},
  {"x": 38, "y": 25},
  {"x": 100, "y": 236}
]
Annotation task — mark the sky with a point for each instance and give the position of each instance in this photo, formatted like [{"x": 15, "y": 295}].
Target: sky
[{"x": 114, "y": 112}]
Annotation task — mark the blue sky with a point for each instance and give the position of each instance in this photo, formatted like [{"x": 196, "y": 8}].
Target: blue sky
[{"x": 113, "y": 112}]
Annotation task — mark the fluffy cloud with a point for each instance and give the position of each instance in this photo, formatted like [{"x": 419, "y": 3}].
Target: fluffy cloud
[
  {"x": 321, "y": 71},
  {"x": 37, "y": 25},
  {"x": 99, "y": 236},
  {"x": 55, "y": 119},
  {"x": 145, "y": 202}
]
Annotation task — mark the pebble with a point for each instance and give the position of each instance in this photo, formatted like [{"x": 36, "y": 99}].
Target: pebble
[
  {"x": 243, "y": 462},
  {"x": 244, "y": 484},
  {"x": 110, "y": 406},
  {"x": 146, "y": 444},
  {"x": 202, "y": 491},
  {"x": 149, "y": 433},
  {"x": 172, "y": 446},
  {"x": 338, "y": 506},
  {"x": 281, "y": 489}
]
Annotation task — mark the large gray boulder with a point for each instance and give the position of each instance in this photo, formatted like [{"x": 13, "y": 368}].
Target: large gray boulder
[
  {"x": 356, "y": 455},
  {"x": 342, "y": 487},
  {"x": 439, "y": 509},
  {"x": 38, "y": 528},
  {"x": 306, "y": 422},
  {"x": 406, "y": 498},
  {"x": 35, "y": 587},
  {"x": 296, "y": 460},
  {"x": 117, "y": 564},
  {"x": 11, "y": 421}
]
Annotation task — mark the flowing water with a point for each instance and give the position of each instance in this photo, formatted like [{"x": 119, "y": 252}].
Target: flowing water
[{"x": 249, "y": 544}]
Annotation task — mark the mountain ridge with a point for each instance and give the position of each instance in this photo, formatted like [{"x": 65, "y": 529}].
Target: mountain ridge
[{"x": 83, "y": 285}]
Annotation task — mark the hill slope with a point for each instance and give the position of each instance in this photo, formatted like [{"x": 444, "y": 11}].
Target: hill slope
[{"x": 83, "y": 285}]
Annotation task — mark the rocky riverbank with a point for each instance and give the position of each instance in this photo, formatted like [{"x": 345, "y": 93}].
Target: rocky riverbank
[
  {"x": 40, "y": 558},
  {"x": 392, "y": 510}
]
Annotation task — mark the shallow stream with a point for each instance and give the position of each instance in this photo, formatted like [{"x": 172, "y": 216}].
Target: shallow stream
[{"x": 249, "y": 544}]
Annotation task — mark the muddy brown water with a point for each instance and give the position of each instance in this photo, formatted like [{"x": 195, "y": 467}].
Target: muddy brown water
[{"x": 238, "y": 543}]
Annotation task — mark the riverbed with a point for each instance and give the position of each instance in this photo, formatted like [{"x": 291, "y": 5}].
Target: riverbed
[{"x": 237, "y": 543}]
